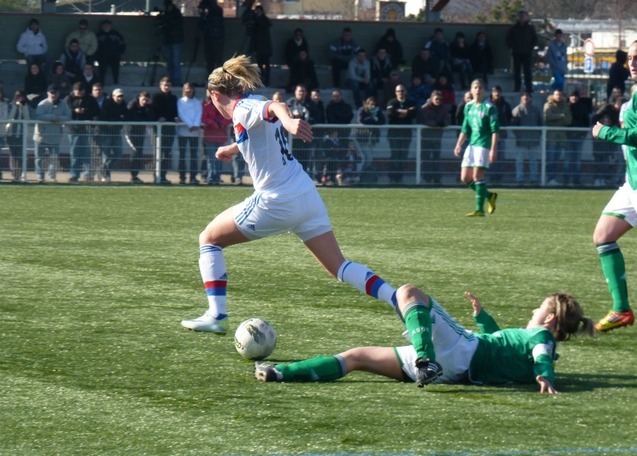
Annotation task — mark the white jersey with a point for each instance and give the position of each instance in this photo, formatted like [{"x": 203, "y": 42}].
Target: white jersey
[{"x": 263, "y": 142}]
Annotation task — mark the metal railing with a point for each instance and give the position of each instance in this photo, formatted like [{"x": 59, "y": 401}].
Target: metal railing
[{"x": 339, "y": 155}]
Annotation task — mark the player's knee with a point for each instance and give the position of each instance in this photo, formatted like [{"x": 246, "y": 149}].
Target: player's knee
[{"x": 408, "y": 293}]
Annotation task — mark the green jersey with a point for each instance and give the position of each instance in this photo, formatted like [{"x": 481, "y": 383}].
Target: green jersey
[
  {"x": 626, "y": 136},
  {"x": 480, "y": 122},
  {"x": 511, "y": 355}
]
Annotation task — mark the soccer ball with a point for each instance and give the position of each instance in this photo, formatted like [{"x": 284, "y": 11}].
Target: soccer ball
[{"x": 255, "y": 339}]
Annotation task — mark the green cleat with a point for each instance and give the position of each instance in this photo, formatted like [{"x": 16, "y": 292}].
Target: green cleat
[
  {"x": 476, "y": 214},
  {"x": 491, "y": 203}
]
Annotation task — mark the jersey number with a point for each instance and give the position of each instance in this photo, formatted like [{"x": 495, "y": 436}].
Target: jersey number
[{"x": 282, "y": 138}]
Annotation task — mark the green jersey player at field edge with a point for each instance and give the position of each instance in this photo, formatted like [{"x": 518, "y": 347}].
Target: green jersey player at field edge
[
  {"x": 442, "y": 351},
  {"x": 481, "y": 126},
  {"x": 620, "y": 214}
]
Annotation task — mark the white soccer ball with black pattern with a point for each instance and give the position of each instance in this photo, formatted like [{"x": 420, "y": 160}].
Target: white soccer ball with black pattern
[{"x": 255, "y": 339}]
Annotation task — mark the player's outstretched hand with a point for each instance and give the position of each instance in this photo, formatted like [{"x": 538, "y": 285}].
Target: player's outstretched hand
[
  {"x": 596, "y": 128},
  {"x": 545, "y": 385},
  {"x": 299, "y": 128},
  {"x": 477, "y": 307}
]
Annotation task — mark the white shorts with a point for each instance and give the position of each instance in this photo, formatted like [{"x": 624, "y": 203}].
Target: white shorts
[
  {"x": 266, "y": 214},
  {"x": 454, "y": 346},
  {"x": 623, "y": 204},
  {"x": 475, "y": 157}
]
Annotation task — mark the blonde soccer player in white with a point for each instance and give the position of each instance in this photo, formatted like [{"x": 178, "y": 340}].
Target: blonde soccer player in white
[{"x": 285, "y": 198}]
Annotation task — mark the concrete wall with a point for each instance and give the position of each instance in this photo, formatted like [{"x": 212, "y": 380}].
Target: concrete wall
[{"x": 141, "y": 37}]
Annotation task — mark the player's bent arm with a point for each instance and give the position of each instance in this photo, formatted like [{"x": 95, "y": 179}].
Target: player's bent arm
[
  {"x": 617, "y": 135},
  {"x": 225, "y": 153},
  {"x": 297, "y": 127}
]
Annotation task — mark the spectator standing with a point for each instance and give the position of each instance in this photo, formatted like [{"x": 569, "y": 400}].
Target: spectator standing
[
  {"x": 300, "y": 109},
  {"x": 88, "y": 77},
  {"x": 99, "y": 94},
  {"x": 73, "y": 60},
  {"x": 165, "y": 110},
  {"x": 557, "y": 58},
  {"x": 316, "y": 107},
  {"x": 262, "y": 43},
  {"x": 341, "y": 51},
  {"x": 557, "y": 113},
  {"x": 425, "y": 65},
  {"x": 461, "y": 60},
  {"x": 617, "y": 74},
  {"x": 581, "y": 110},
  {"x": 435, "y": 116},
  {"x": 394, "y": 48},
  {"x": 215, "y": 135},
  {"x": 172, "y": 27},
  {"x": 19, "y": 110},
  {"x": 302, "y": 72},
  {"x": 140, "y": 114},
  {"x": 189, "y": 110},
  {"x": 51, "y": 112},
  {"x": 248, "y": 19},
  {"x": 604, "y": 152},
  {"x": 440, "y": 50},
  {"x": 295, "y": 44},
  {"x": 359, "y": 77},
  {"x": 504, "y": 117},
  {"x": 113, "y": 110},
  {"x": 59, "y": 78},
  {"x": 481, "y": 57},
  {"x": 339, "y": 111},
  {"x": 33, "y": 45},
  {"x": 381, "y": 68},
  {"x": 459, "y": 113},
  {"x": 400, "y": 111},
  {"x": 526, "y": 114},
  {"x": 213, "y": 33},
  {"x": 86, "y": 38},
  {"x": 521, "y": 38},
  {"x": 369, "y": 114},
  {"x": 35, "y": 86},
  {"x": 444, "y": 85},
  {"x": 110, "y": 48},
  {"x": 5, "y": 106},
  {"x": 83, "y": 108}
]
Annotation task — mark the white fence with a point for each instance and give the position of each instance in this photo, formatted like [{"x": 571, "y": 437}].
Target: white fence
[{"x": 339, "y": 154}]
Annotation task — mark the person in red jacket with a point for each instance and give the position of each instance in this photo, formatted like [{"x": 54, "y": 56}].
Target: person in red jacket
[{"x": 215, "y": 135}]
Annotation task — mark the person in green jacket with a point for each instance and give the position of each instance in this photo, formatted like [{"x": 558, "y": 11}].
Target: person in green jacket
[{"x": 442, "y": 351}]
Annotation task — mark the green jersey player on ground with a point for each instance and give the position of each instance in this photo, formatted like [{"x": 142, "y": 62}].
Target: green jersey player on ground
[
  {"x": 620, "y": 214},
  {"x": 481, "y": 127},
  {"x": 442, "y": 351}
]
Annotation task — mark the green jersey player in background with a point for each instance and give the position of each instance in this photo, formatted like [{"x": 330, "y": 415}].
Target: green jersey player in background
[
  {"x": 620, "y": 214},
  {"x": 481, "y": 127},
  {"x": 442, "y": 351}
]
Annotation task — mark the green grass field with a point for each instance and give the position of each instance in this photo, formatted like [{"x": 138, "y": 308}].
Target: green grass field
[{"x": 94, "y": 282}]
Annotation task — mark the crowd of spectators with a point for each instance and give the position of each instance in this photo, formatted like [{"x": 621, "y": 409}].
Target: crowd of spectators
[{"x": 439, "y": 71}]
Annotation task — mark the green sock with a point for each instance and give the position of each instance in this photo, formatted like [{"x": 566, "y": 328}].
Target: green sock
[
  {"x": 319, "y": 369},
  {"x": 481, "y": 195},
  {"x": 614, "y": 270},
  {"x": 472, "y": 186},
  {"x": 418, "y": 324}
]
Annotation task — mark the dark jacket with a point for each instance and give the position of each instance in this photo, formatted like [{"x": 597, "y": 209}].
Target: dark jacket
[
  {"x": 172, "y": 26},
  {"x": 110, "y": 45},
  {"x": 91, "y": 111},
  {"x": 521, "y": 38},
  {"x": 339, "y": 113},
  {"x": 141, "y": 115},
  {"x": 112, "y": 112}
]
